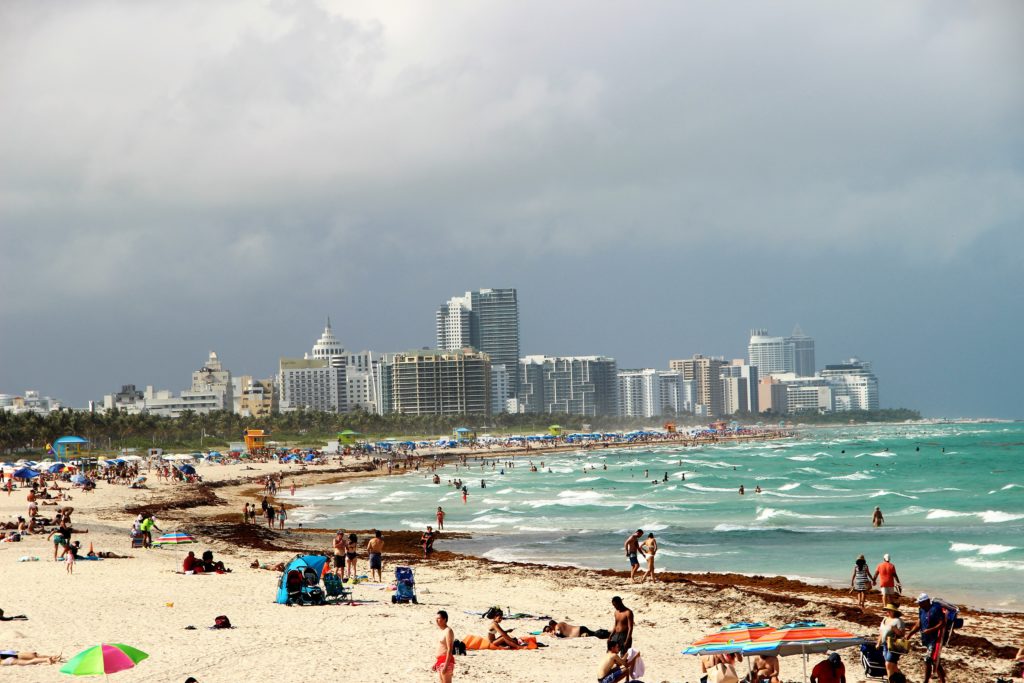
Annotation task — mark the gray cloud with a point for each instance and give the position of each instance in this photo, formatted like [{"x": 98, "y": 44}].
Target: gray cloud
[{"x": 196, "y": 159}]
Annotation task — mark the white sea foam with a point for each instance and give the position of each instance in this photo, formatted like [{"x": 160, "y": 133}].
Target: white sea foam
[
  {"x": 586, "y": 479},
  {"x": 789, "y": 487},
  {"x": 882, "y": 492},
  {"x": 944, "y": 514},
  {"x": 856, "y": 476},
  {"x": 396, "y": 496},
  {"x": 935, "y": 490},
  {"x": 810, "y": 470},
  {"x": 707, "y": 489},
  {"x": 997, "y": 516},
  {"x": 989, "y": 549},
  {"x": 826, "y": 487},
  {"x": 802, "y": 458},
  {"x": 975, "y": 563},
  {"x": 764, "y": 514}
]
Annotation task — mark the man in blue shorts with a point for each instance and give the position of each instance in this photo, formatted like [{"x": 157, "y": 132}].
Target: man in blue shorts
[{"x": 632, "y": 547}]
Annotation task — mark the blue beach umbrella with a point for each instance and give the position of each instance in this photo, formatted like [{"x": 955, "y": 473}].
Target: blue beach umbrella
[
  {"x": 25, "y": 473},
  {"x": 56, "y": 467},
  {"x": 187, "y": 469},
  {"x": 79, "y": 479}
]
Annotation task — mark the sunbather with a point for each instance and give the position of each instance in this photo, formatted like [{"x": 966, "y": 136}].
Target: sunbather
[
  {"x": 16, "y": 617},
  {"x": 563, "y": 629},
  {"x": 499, "y": 636},
  {"x": 14, "y": 658}
]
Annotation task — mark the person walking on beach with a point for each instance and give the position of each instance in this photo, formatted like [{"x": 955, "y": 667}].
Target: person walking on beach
[
  {"x": 282, "y": 515},
  {"x": 891, "y": 628},
  {"x": 931, "y": 622},
  {"x": 427, "y": 541},
  {"x": 440, "y": 518},
  {"x": 622, "y": 632},
  {"x": 877, "y": 520},
  {"x": 649, "y": 548},
  {"x": 888, "y": 581},
  {"x": 445, "y": 663},
  {"x": 340, "y": 548},
  {"x": 632, "y": 548},
  {"x": 860, "y": 580},
  {"x": 375, "y": 550}
]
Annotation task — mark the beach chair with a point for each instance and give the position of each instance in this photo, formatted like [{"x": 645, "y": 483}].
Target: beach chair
[
  {"x": 871, "y": 658},
  {"x": 405, "y": 586},
  {"x": 335, "y": 591}
]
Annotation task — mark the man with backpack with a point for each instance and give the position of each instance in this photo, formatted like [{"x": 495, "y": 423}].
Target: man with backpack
[{"x": 931, "y": 622}]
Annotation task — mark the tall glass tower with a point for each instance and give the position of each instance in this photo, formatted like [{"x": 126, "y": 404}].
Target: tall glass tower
[{"x": 488, "y": 321}]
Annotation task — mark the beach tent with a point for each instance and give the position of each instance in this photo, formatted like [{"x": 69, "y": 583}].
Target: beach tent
[{"x": 299, "y": 564}]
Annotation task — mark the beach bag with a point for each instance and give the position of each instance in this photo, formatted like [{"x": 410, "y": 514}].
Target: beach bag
[
  {"x": 725, "y": 673},
  {"x": 458, "y": 648},
  {"x": 899, "y": 646},
  {"x": 221, "y": 622}
]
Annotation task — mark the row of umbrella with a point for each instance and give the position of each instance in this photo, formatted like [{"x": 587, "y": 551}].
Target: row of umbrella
[{"x": 796, "y": 638}]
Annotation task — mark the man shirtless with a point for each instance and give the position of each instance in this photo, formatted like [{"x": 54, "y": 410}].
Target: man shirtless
[
  {"x": 766, "y": 667},
  {"x": 632, "y": 547},
  {"x": 445, "y": 664},
  {"x": 622, "y": 632},
  {"x": 615, "y": 667},
  {"x": 340, "y": 548},
  {"x": 375, "y": 550},
  {"x": 563, "y": 629}
]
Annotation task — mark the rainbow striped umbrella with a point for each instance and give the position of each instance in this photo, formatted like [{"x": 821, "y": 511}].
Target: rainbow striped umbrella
[
  {"x": 103, "y": 659},
  {"x": 174, "y": 538},
  {"x": 731, "y": 638},
  {"x": 802, "y": 638}
]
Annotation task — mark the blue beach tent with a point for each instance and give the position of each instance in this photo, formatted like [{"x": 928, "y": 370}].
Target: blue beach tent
[{"x": 298, "y": 569}]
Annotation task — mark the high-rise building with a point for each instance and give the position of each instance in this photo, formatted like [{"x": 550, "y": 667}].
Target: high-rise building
[
  {"x": 706, "y": 374},
  {"x": 571, "y": 385},
  {"x": 312, "y": 383},
  {"x": 639, "y": 393},
  {"x": 771, "y": 395},
  {"x": 771, "y": 355},
  {"x": 486, "y": 320},
  {"x": 256, "y": 397},
  {"x": 803, "y": 353},
  {"x": 430, "y": 382},
  {"x": 739, "y": 388},
  {"x": 854, "y": 385}
]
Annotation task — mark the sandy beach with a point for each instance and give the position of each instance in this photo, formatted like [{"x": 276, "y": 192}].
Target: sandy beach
[{"x": 145, "y": 602}]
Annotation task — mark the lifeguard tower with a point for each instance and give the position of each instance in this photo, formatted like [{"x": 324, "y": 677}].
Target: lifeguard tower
[
  {"x": 670, "y": 427},
  {"x": 67, "y": 447},
  {"x": 256, "y": 441},
  {"x": 555, "y": 430}
]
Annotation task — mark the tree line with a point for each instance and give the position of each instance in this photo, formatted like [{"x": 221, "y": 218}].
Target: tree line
[{"x": 116, "y": 429}]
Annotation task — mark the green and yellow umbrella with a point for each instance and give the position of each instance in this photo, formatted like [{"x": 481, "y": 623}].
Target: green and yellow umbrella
[{"x": 103, "y": 659}]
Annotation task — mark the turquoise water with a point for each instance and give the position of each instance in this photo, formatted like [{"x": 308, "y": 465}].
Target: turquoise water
[{"x": 954, "y": 518}]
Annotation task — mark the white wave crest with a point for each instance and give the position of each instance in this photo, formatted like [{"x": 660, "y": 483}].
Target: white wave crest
[
  {"x": 975, "y": 563},
  {"x": 990, "y": 549}
]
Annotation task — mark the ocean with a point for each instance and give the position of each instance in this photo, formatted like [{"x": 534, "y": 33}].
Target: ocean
[{"x": 952, "y": 496}]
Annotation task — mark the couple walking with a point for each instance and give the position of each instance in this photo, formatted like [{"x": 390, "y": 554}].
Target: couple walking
[{"x": 648, "y": 549}]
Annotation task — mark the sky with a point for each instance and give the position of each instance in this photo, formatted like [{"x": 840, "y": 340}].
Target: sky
[{"x": 654, "y": 179}]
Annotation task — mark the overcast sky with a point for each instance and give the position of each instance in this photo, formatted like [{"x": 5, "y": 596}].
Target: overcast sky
[{"x": 655, "y": 179}]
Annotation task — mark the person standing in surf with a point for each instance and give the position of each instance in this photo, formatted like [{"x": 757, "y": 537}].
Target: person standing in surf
[
  {"x": 632, "y": 547},
  {"x": 877, "y": 520}
]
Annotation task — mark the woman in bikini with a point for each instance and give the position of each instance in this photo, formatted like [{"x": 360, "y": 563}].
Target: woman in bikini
[
  {"x": 499, "y": 636},
  {"x": 350, "y": 556}
]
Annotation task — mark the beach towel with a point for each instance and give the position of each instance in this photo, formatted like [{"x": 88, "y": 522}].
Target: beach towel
[{"x": 481, "y": 643}]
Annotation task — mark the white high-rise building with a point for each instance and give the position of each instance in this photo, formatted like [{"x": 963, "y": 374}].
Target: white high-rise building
[
  {"x": 769, "y": 354},
  {"x": 854, "y": 385},
  {"x": 739, "y": 388},
  {"x": 486, "y": 320},
  {"x": 571, "y": 385},
  {"x": 639, "y": 393}
]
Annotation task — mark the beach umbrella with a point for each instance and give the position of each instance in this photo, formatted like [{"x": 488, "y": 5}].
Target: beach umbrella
[
  {"x": 56, "y": 467},
  {"x": 187, "y": 469},
  {"x": 174, "y": 538},
  {"x": 103, "y": 659},
  {"x": 731, "y": 638},
  {"x": 79, "y": 479},
  {"x": 25, "y": 473},
  {"x": 802, "y": 638}
]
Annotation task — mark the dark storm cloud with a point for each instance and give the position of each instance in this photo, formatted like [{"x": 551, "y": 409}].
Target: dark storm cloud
[{"x": 171, "y": 166}]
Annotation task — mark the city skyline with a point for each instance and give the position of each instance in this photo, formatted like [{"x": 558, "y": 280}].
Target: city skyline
[{"x": 653, "y": 188}]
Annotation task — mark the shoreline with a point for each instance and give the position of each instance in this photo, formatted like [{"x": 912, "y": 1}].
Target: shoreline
[{"x": 670, "y": 614}]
